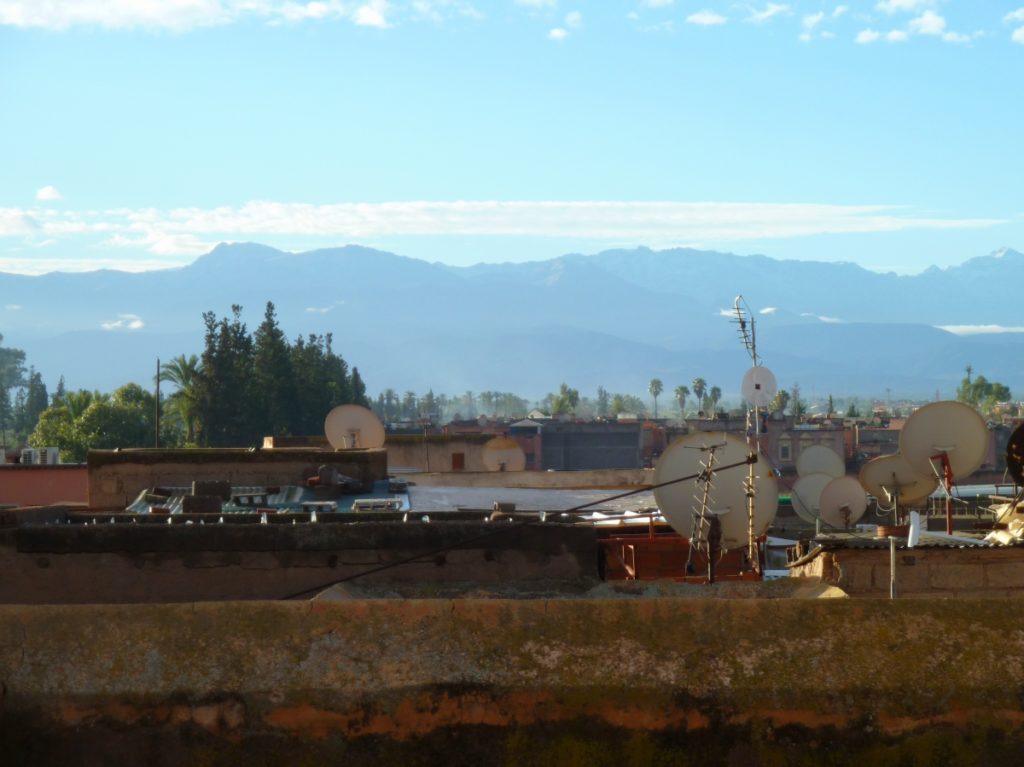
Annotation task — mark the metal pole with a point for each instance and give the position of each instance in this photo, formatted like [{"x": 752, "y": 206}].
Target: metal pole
[
  {"x": 892, "y": 567},
  {"x": 157, "y": 441}
]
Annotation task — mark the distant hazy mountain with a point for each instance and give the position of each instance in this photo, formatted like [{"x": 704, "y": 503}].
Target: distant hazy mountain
[{"x": 617, "y": 319}]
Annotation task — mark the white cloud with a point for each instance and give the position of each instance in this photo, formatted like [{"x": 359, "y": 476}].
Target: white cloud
[
  {"x": 657, "y": 3},
  {"x": 12, "y": 307},
  {"x": 867, "y": 36},
  {"x": 171, "y": 235},
  {"x": 574, "y": 19},
  {"x": 973, "y": 330},
  {"x": 538, "y": 3},
  {"x": 1017, "y": 15},
  {"x": 706, "y": 18},
  {"x": 839, "y": 11},
  {"x": 811, "y": 21},
  {"x": 928, "y": 23},
  {"x": 904, "y": 6},
  {"x": 124, "y": 322},
  {"x": 896, "y": 36},
  {"x": 558, "y": 33},
  {"x": 769, "y": 11},
  {"x": 372, "y": 14},
  {"x": 183, "y": 15},
  {"x": 48, "y": 193},
  {"x": 769, "y": 310},
  {"x": 1018, "y": 35},
  {"x": 956, "y": 37}
]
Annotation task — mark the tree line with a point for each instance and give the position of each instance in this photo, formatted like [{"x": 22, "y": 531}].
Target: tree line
[{"x": 242, "y": 387}]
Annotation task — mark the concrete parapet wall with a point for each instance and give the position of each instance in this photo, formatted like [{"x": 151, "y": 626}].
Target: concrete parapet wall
[
  {"x": 116, "y": 477},
  {"x": 75, "y": 564},
  {"x": 541, "y": 480},
  {"x": 922, "y": 572},
  {"x": 561, "y": 681}
]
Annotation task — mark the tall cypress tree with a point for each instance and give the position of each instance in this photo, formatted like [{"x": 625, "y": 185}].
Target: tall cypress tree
[{"x": 273, "y": 378}]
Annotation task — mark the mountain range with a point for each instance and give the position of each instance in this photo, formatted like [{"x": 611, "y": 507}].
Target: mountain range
[{"x": 616, "y": 319}]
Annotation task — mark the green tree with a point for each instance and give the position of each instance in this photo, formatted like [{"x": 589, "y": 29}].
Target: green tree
[
  {"x": 681, "y": 393},
  {"x": 852, "y": 411},
  {"x": 565, "y": 401},
  {"x": 655, "y": 388},
  {"x": 603, "y": 402},
  {"x": 273, "y": 381},
  {"x": 57, "y": 428},
  {"x": 28, "y": 408},
  {"x": 714, "y": 396},
  {"x": 699, "y": 386},
  {"x": 183, "y": 403},
  {"x": 779, "y": 402},
  {"x": 981, "y": 393},
  {"x": 224, "y": 402}
]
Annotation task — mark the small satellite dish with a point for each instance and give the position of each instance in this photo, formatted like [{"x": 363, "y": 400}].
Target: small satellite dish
[
  {"x": 950, "y": 428},
  {"x": 893, "y": 473},
  {"x": 820, "y": 459},
  {"x": 353, "y": 426},
  {"x": 1015, "y": 455},
  {"x": 843, "y": 502},
  {"x": 503, "y": 454},
  {"x": 758, "y": 386},
  {"x": 806, "y": 496},
  {"x": 680, "y": 501}
]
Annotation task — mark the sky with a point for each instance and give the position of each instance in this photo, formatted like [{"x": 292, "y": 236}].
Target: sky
[{"x": 137, "y": 134}]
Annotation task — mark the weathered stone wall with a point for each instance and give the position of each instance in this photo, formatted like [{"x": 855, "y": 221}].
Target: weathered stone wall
[
  {"x": 610, "y": 681},
  {"x": 922, "y": 572},
  {"x": 434, "y": 452},
  {"x": 116, "y": 477},
  {"x": 120, "y": 563}
]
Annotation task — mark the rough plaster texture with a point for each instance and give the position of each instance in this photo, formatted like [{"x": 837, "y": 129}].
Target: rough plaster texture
[
  {"x": 117, "y": 477},
  {"x": 31, "y": 485},
  {"x": 553, "y": 480},
  {"x": 547, "y": 681}
]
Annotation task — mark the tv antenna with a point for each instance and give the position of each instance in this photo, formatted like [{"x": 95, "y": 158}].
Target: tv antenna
[{"x": 744, "y": 319}]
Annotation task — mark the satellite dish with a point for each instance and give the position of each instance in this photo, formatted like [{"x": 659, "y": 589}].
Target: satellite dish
[
  {"x": 678, "y": 503},
  {"x": 503, "y": 454},
  {"x": 893, "y": 473},
  {"x": 353, "y": 426},
  {"x": 820, "y": 459},
  {"x": 1015, "y": 455},
  {"x": 950, "y": 428},
  {"x": 843, "y": 502},
  {"x": 806, "y": 496},
  {"x": 758, "y": 386}
]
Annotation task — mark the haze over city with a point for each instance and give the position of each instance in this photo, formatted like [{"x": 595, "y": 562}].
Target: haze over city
[{"x": 138, "y": 136}]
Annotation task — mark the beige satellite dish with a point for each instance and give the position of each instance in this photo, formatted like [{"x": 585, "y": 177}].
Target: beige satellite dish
[
  {"x": 950, "y": 428},
  {"x": 843, "y": 502},
  {"x": 758, "y": 386},
  {"x": 806, "y": 496},
  {"x": 353, "y": 426},
  {"x": 680, "y": 501},
  {"x": 503, "y": 454},
  {"x": 820, "y": 459},
  {"x": 890, "y": 474}
]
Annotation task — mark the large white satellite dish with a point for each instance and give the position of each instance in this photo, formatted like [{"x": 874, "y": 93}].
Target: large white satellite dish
[
  {"x": 820, "y": 459},
  {"x": 806, "y": 496},
  {"x": 950, "y": 428},
  {"x": 890, "y": 474},
  {"x": 353, "y": 426},
  {"x": 503, "y": 454},
  {"x": 758, "y": 386},
  {"x": 843, "y": 502},
  {"x": 679, "y": 502}
]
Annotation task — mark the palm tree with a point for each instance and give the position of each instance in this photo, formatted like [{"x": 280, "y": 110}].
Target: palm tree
[
  {"x": 714, "y": 395},
  {"x": 184, "y": 372},
  {"x": 699, "y": 386},
  {"x": 682, "y": 393},
  {"x": 655, "y": 388}
]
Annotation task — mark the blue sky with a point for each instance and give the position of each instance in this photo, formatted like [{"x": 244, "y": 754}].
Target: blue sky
[{"x": 137, "y": 135}]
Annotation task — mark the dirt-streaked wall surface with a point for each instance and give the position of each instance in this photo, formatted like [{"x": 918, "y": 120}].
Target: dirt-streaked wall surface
[{"x": 490, "y": 681}]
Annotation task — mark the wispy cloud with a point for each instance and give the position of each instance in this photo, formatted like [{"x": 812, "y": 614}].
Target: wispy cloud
[
  {"x": 12, "y": 307},
  {"x": 768, "y": 12},
  {"x": 558, "y": 34},
  {"x": 192, "y": 231},
  {"x": 866, "y": 36},
  {"x": 48, "y": 194},
  {"x": 769, "y": 310},
  {"x": 902, "y": 6},
  {"x": 124, "y": 322},
  {"x": 184, "y": 15},
  {"x": 1016, "y": 17},
  {"x": 706, "y": 18},
  {"x": 928, "y": 23},
  {"x": 974, "y": 330}
]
